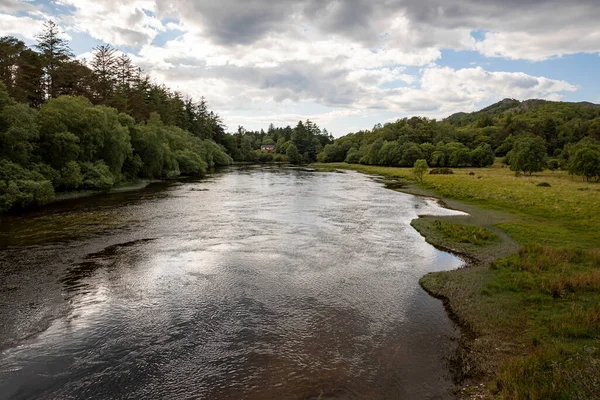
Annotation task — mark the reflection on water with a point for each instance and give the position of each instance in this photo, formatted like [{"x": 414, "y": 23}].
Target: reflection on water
[{"x": 256, "y": 284}]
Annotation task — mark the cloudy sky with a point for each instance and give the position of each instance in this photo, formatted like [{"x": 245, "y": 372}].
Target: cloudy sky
[{"x": 345, "y": 64}]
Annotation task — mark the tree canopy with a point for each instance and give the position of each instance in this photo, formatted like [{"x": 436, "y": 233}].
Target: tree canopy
[
  {"x": 475, "y": 139},
  {"x": 67, "y": 126}
]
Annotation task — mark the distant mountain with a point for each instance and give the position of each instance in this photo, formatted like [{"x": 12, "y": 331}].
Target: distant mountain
[{"x": 518, "y": 107}]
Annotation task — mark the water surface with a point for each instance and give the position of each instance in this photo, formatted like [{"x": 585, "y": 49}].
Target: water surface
[{"x": 257, "y": 283}]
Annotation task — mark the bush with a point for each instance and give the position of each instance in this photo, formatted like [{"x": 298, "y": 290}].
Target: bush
[
  {"x": 190, "y": 163},
  {"x": 353, "y": 156},
  {"x": 96, "y": 176},
  {"x": 20, "y": 188},
  {"x": 419, "y": 169},
  {"x": 279, "y": 157},
  {"x": 264, "y": 157},
  {"x": 70, "y": 176}
]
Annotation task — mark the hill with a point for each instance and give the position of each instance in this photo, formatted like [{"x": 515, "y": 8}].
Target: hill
[
  {"x": 471, "y": 139},
  {"x": 513, "y": 106}
]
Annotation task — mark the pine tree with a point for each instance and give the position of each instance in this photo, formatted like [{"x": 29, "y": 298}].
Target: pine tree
[
  {"x": 29, "y": 79},
  {"x": 125, "y": 70},
  {"x": 124, "y": 74},
  {"x": 104, "y": 65},
  {"x": 138, "y": 99},
  {"x": 55, "y": 51}
]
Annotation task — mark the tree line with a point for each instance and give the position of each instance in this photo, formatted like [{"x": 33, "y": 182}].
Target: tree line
[
  {"x": 529, "y": 136},
  {"x": 65, "y": 125},
  {"x": 298, "y": 145}
]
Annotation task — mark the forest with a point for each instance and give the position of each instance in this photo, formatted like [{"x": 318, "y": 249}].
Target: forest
[
  {"x": 529, "y": 135},
  {"x": 67, "y": 126}
]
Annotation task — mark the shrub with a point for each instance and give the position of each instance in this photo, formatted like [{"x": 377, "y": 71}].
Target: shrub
[
  {"x": 70, "y": 176},
  {"x": 20, "y": 188},
  {"x": 419, "y": 169},
  {"x": 96, "y": 176}
]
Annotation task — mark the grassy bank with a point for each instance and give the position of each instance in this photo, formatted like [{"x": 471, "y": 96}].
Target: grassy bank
[{"x": 530, "y": 300}]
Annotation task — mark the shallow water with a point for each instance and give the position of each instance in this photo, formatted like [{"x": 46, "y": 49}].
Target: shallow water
[{"x": 256, "y": 283}]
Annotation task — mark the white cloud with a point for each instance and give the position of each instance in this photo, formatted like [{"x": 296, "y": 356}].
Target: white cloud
[
  {"x": 11, "y": 25},
  {"x": 444, "y": 90},
  {"x": 128, "y": 23},
  {"x": 527, "y": 46},
  {"x": 284, "y": 119}
]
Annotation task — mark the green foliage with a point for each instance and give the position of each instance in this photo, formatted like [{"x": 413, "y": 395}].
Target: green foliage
[
  {"x": 470, "y": 140},
  {"x": 310, "y": 141},
  {"x": 190, "y": 163},
  {"x": 293, "y": 155},
  {"x": 354, "y": 156},
  {"x": 559, "y": 290},
  {"x": 18, "y": 132},
  {"x": 96, "y": 176},
  {"x": 71, "y": 177},
  {"x": 411, "y": 153},
  {"x": 553, "y": 165},
  {"x": 482, "y": 156},
  {"x": 585, "y": 160},
  {"x": 32, "y": 78},
  {"x": 464, "y": 233},
  {"x": 72, "y": 144},
  {"x": 20, "y": 188},
  {"x": 79, "y": 130},
  {"x": 441, "y": 171},
  {"x": 419, "y": 169},
  {"x": 528, "y": 155}
]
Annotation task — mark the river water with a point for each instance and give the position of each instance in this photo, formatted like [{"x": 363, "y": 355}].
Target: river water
[{"x": 255, "y": 283}]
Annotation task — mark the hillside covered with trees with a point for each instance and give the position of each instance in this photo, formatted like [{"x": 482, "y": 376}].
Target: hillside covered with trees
[
  {"x": 531, "y": 135},
  {"x": 65, "y": 125}
]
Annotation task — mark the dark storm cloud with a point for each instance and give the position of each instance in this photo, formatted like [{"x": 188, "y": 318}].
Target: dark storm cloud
[{"x": 235, "y": 22}]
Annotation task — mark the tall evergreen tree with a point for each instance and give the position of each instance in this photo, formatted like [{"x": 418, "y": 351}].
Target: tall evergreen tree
[
  {"x": 104, "y": 65},
  {"x": 55, "y": 51}
]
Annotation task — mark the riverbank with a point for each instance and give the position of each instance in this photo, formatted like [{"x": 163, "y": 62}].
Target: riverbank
[
  {"x": 529, "y": 300},
  {"x": 124, "y": 187}
]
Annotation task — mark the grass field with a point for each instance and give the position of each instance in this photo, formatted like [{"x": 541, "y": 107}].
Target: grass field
[{"x": 533, "y": 316}]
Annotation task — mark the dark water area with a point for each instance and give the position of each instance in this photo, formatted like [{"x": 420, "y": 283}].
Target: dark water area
[{"x": 255, "y": 283}]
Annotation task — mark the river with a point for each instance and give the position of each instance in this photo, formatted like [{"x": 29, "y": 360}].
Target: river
[{"x": 254, "y": 283}]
